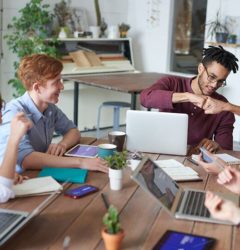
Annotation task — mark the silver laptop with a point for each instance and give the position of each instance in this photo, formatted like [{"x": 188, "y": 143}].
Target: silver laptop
[
  {"x": 157, "y": 132},
  {"x": 180, "y": 203},
  {"x": 12, "y": 220}
]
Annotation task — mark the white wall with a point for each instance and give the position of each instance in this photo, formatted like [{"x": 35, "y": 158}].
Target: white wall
[{"x": 151, "y": 41}]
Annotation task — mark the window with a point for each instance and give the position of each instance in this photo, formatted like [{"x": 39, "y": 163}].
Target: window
[{"x": 188, "y": 35}]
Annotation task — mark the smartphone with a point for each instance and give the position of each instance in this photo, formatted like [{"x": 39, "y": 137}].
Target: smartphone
[
  {"x": 205, "y": 155},
  {"x": 81, "y": 191},
  {"x": 179, "y": 240}
]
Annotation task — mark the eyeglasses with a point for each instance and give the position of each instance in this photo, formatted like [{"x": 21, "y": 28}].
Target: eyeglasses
[{"x": 212, "y": 79}]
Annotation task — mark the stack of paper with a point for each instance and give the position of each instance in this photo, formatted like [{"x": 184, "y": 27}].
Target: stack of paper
[
  {"x": 37, "y": 186},
  {"x": 177, "y": 170}
]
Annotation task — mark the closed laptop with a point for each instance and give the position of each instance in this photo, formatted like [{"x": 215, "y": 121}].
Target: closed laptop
[{"x": 157, "y": 132}]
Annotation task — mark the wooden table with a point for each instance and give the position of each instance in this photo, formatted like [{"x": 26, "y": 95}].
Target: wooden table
[
  {"x": 131, "y": 83},
  {"x": 141, "y": 217}
]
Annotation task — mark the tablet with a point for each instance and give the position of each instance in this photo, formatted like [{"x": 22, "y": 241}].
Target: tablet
[
  {"x": 82, "y": 150},
  {"x": 184, "y": 241}
]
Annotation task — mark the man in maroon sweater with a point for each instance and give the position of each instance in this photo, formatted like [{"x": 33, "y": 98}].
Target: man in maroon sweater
[{"x": 188, "y": 95}]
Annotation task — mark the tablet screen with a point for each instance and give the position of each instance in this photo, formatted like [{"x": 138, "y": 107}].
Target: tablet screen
[
  {"x": 82, "y": 150},
  {"x": 184, "y": 241}
]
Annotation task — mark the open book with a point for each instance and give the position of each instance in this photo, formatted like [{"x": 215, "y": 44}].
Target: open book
[
  {"x": 173, "y": 168},
  {"x": 177, "y": 170},
  {"x": 36, "y": 186}
]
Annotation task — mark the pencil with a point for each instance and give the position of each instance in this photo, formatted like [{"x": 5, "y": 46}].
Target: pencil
[{"x": 105, "y": 200}]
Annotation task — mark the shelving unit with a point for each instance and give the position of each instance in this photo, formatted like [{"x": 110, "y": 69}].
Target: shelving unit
[{"x": 117, "y": 53}]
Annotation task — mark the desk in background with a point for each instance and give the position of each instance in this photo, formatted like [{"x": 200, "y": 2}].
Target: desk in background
[
  {"x": 141, "y": 217},
  {"x": 131, "y": 83}
]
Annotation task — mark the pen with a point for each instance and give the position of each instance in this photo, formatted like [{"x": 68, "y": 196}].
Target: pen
[
  {"x": 105, "y": 200},
  {"x": 191, "y": 160}
]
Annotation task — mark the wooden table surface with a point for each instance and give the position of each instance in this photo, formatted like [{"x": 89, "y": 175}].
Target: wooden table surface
[
  {"x": 143, "y": 220},
  {"x": 131, "y": 83},
  {"x": 127, "y": 82}
]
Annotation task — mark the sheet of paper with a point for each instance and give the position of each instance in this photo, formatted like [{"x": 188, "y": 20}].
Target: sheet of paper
[
  {"x": 226, "y": 157},
  {"x": 35, "y": 186}
]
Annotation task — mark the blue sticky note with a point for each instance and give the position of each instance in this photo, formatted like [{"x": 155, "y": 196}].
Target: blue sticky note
[{"x": 73, "y": 175}]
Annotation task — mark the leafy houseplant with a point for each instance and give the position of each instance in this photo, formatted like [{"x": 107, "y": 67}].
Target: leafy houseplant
[
  {"x": 27, "y": 35},
  {"x": 118, "y": 160},
  {"x": 112, "y": 233},
  {"x": 218, "y": 29},
  {"x": 116, "y": 163}
]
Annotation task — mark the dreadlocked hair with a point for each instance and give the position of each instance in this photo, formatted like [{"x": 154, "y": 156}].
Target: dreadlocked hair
[{"x": 220, "y": 55}]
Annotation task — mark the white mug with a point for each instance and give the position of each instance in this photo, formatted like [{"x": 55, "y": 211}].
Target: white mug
[
  {"x": 95, "y": 31},
  {"x": 113, "y": 32}
]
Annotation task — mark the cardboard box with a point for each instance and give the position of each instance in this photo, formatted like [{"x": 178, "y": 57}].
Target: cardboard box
[{"x": 85, "y": 58}]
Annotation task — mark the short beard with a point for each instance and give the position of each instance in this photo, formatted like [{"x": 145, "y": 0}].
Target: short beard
[{"x": 199, "y": 85}]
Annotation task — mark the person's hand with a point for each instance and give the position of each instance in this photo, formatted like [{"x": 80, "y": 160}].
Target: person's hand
[
  {"x": 198, "y": 100},
  {"x": 222, "y": 209},
  {"x": 213, "y": 167},
  {"x": 210, "y": 145},
  {"x": 57, "y": 149},
  {"x": 230, "y": 178},
  {"x": 20, "y": 124},
  {"x": 96, "y": 164},
  {"x": 19, "y": 178},
  {"x": 213, "y": 106}
]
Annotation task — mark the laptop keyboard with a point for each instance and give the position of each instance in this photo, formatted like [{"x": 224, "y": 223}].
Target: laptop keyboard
[
  {"x": 194, "y": 204},
  {"x": 7, "y": 219}
]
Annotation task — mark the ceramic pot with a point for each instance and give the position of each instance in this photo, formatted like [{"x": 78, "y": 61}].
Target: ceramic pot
[
  {"x": 221, "y": 37},
  {"x": 62, "y": 34},
  {"x": 116, "y": 178},
  {"x": 112, "y": 241}
]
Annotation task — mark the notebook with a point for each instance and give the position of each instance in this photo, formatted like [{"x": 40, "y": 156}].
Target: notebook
[
  {"x": 73, "y": 175},
  {"x": 175, "y": 169},
  {"x": 12, "y": 220},
  {"x": 36, "y": 186},
  {"x": 178, "y": 202},
  {"x": 157, "y": 132}
]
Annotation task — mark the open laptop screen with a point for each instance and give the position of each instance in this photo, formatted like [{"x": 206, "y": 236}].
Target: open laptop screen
[{"x": 157, "y": 182}]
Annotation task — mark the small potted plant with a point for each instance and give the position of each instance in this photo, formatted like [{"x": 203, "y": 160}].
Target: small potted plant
[
  {"x": 112, "y": 233},
  {"x": 63, "y": 13},
  {"x": 218, "y": 28},
  {"x": 116, "y": 163},
  {"x": 123, "y": 29}
]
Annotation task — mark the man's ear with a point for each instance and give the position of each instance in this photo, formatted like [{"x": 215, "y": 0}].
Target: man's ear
[
  {"x": 36, "y": 87},
  {"x": 200, "y": 68}
]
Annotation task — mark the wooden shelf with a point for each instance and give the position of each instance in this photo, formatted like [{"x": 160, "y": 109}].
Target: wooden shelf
[{"x": 232, "y": 45}]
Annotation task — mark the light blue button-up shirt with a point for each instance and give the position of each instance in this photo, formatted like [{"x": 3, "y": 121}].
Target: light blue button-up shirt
[{"x": 39, "y": 137}]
